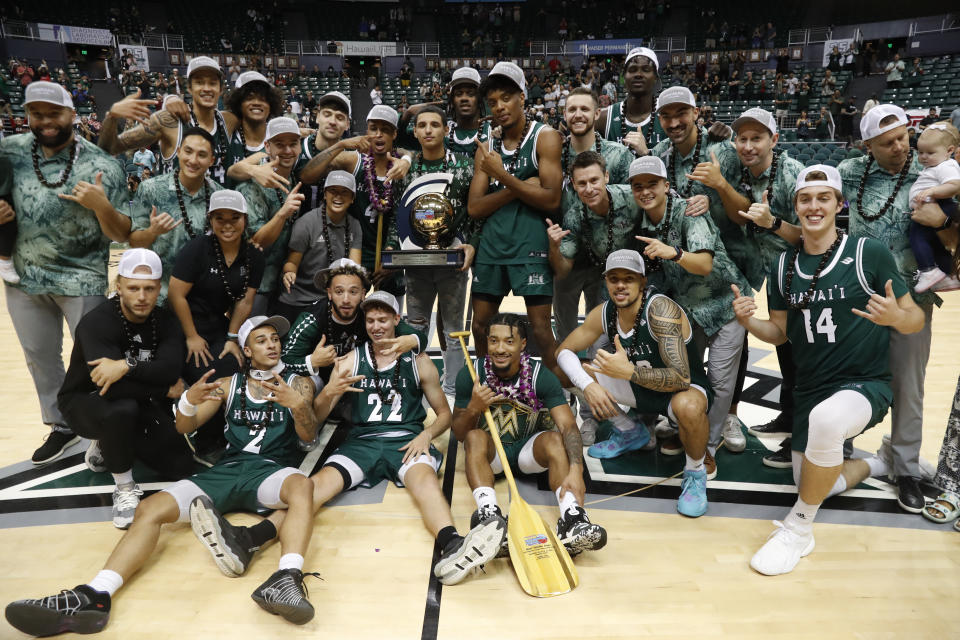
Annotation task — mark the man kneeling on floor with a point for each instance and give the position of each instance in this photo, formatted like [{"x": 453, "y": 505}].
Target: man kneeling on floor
[
  {"x": 654, "y": 369},
  {"x": 265, "y": 415},
  {"x": 537, "y": 429},
  {"x": 388, "y": 440}
]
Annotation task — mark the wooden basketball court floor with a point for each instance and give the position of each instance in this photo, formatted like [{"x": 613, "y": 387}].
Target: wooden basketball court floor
[{"x": 876, "y": 572}]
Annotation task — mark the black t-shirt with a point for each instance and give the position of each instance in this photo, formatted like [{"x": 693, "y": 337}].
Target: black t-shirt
[
  {"x": 100, "y": 334},
  {"x": 208, "y": 298}
]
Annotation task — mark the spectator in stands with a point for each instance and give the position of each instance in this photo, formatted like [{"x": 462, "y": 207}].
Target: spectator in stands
[
  {"x": 712, "y": 88},
  {"x": 803, "y": 97},
  {"x": 850, "y": 57},
  {"x": 915, "y": 73},
  {"x": 233, "y": 72},
  {"x": 829, "y": 84},
  {"x": 824, "y": 125},
  {"x": 782, "y": 106},
  {"x": 847, "y": 114},
  {"x": 870, "y": 103},
  {"x": 833, "y": 63},
  {"x": 771, "y": 35},
  {"x": 929, "y": 119},
  {"x": 955, "y": 117},
  {"x": 733, "y": 85},
  {"x": 835, "y": 105},
  {"x": 912, "y": 137},
  {"x": 144, "y": 158},
  {"x": 803, "y": 126},
  {"x": 894, "y": 71},
  {"x": 749, "y": 87},
  {"x": 792, "y": 83}
]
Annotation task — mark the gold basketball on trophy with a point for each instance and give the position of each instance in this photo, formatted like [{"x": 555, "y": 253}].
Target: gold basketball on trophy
[{"x": 432, "y": 217}]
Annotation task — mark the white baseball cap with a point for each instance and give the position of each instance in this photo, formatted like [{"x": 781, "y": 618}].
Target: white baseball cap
[
  {"x": 132, "y": 259},
  {"x": 512, "y": 72},
  {"x": 870, "y": 123},
  {"x": 50, "y": 92},
  {"x": 833, "y": 177},
  {"x": 625, "y": 259},
  {"x": 643, "y": 51},
  {"x": 320, "y": 279},
  {"x": 251, "y": 76},
  {"x": 281, "y": 324},
  {"x": 334, "y": 96},
  {"x": 202, "y": 62},
  {"x": 676, "y": 95},
  {"x": 647, "y": 166},
  {"x": 341, "y": 179},
  {"x": 384, "y": 113},
  {"x": 381, "y": 297},
  {"x": 756, "y": 114},
  {"x": 465, "y": 74},
  {"x": 279, "y": 126},
  {"x": 227, "y": 199}
]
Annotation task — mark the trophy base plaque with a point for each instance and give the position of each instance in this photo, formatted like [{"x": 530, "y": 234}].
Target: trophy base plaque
[{"x": 422, "y": 259}]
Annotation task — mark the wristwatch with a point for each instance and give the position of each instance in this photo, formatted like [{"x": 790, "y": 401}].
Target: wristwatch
[
  {"x": 776, "y": 224},
  {"x": 131, "y": 362}
]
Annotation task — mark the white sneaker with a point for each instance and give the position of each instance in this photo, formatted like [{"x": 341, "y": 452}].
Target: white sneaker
[
  {"x": 885, "y": 453},
  {"x": 927, "y": 279},
  {"x": 8, "y": 272},
  {"x": 94, "y": 458},
  {"x": 663, "y": 428},
  {"x": 782, "y": 551},
  {"x": 733, "y": 438},
  {"x": 950, "y": 283},
  {"x": 125, "y": 502}
]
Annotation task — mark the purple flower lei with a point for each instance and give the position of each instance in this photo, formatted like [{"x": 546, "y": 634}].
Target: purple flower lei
[
  {"x": 381, "y": 203},
  {"x": 521, "y": 390}
]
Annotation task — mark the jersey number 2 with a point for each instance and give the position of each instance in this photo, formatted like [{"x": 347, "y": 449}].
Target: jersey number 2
[
  {"x": 377, "y": 414},
  {"x": 824, "y": 325},
  {"x": 254, "y": 445}
]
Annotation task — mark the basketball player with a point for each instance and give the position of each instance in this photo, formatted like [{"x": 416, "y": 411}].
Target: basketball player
[
  {"x": 253, "y": 101},
  {"x": 536, "y": 427},
  {"x": 266, "y": 415},
  {"x": 388, "y": 440},
  {"x": 464, "y": 114},
  {"x": 632, "y": 121},
  {"x": 817, "y": 295},
  {"x": 517, "y": 181},
  {"x": 654, "y": 369}
]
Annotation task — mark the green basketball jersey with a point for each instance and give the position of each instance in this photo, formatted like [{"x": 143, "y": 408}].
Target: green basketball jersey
[
  {"x": 617, "y": 128},
  {"x": 516, "y": 233},
  {"x": 367, "y": 216},
  {"x": 831, "y": 345},
  {"x": 249, "y": 429},
  {"x": 643, "y": 349},
  {"x": 373, "y": 417},
  {"x": 516, "y": 421},
  {"x": 237, "y": 151}
]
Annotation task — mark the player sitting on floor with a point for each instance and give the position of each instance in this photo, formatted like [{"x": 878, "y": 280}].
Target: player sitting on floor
[
  {"x": 265, "y": 417},
  {"x": 388, "y": 440},
  {"x": 537, "y": 429},
  {"x": 654, "y": 368}
]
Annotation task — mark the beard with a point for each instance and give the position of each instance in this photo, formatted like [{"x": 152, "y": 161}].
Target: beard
[
  {"x": 628, "y": 303},
  {"x": 335, "y": 309},
  {"x": 58, "y": 140}
]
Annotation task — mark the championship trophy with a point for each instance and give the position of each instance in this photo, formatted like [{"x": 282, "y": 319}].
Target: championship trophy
[{"x": 425, "y": 225}]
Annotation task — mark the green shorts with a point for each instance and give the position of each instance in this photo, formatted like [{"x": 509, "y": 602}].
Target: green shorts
[
  {"x": 877, "y": 393},
  {"x": 367, "y": 461},
  {"x": 519, "y": 457},
  {"x": 534, "y": 279},
  {"x": 245, "y": 482},
  {"x": 653, "y": 402}
]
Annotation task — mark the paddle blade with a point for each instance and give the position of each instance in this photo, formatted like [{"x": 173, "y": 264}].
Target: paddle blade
[{"x": 541, "y": 562}]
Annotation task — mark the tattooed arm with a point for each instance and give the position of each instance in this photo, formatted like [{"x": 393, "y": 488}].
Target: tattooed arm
[
  {"x": 161, "y": 126},
  {"x": 304, "y": 419},
  {"x": 573, "y": 446},
  {"x": 666, "y": 324},
  {"x": 333, "y": 158}
]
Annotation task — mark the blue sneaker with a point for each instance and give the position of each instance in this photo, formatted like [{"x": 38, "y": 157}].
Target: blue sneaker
[
  {"x": 620, "y": 442},
  {"x": 693, "y": 494}
]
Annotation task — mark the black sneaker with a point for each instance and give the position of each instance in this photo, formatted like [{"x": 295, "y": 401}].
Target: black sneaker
[
  {"x": 463, "y": 555},
  {"x": 779, "y": 427},
  {"x": 780, "y": 459},
  {"x": 909, "y": 496},
  {"x": 80, "y": 610},
  {"x": 285, "y": 595},
  {"x": 53, "y": 446},
  {"x": 578, "y": 534},
  {"x": 230, "y": 546},
  {"x": 492, "y": 512}
]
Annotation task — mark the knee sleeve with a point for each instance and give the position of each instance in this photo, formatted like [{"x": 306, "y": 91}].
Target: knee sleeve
[{"x": 843, "y": 415}]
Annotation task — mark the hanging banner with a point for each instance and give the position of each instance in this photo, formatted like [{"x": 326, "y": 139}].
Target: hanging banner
[
  {"x": 74, "y": 35},
  {"x": 136, "y": 57},
  {"x": 841, "y": 45},
  {"x": 362, "y": 48}
]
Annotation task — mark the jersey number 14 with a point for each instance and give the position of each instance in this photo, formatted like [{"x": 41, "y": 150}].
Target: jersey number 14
[{"x": 824, "y": 325}]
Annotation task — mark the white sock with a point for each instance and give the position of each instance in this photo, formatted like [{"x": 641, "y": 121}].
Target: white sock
[
  {"x": 291, "y": 561},
  {"x": 801, "y": 516},
  {"x": 877, "y": 466},
  {"x": 485, "y": 497},
  {"x": 107, "y": 581},
  {"x": 567, "y": 502},
  {"x": 123, "y": 478},
  {"x": 622, "y": 422},
  {"x": 693, "y": 464},
  {"x": 6, "y": 260},
  {"x": 839, "y": 486}
]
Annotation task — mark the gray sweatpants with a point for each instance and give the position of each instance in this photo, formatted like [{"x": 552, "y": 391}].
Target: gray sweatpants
[
  {"x": 908, "y": 362},
  {"x": 722, "y": 365},
  {"x": 449, "y": 288},
  {"x": 38, "y": 321}
]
